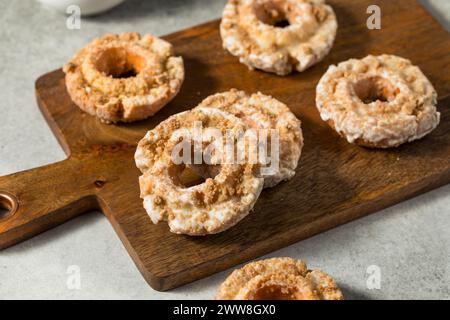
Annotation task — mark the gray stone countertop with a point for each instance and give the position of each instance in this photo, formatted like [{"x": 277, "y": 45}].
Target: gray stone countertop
[{"x": 409, "y": 243}]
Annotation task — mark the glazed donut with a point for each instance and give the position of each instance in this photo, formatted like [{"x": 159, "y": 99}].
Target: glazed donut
[
  {"x": 250, "y": 30},
  {"x": 124, "y": 77},
  {"x": 278, "y": 279},
  {"x": 207, "y": 208},
  {"x": 259, "y": 111},
  {"x": 378, "y": 102}
]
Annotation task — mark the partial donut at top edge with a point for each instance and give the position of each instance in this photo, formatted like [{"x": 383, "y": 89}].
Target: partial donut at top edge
[{"x": 249, "y": 31}]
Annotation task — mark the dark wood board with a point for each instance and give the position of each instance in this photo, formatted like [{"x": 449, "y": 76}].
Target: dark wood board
[{"x": 335, "y": 182}]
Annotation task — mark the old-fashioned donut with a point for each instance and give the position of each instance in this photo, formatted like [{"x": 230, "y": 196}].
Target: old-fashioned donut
[
  {"x": 278, "y": 279},
  {"x": 379, "y": 101},
  {"x": 124, "y": 77},
  {"x": 260, "y": 111},
  {"x": 251, "y": 30},
  {"x": 210, "y": 207}
]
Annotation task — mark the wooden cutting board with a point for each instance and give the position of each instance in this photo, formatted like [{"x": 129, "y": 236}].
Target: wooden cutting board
[{"x": 335, "y": 183}]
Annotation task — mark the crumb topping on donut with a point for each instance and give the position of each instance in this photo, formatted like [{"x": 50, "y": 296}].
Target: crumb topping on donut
[
  {"x": 124, "y": 77},
  {"x": 278, "y": 279},
  {"x": 379, "y": 101},
  {"x": 278, "y": 35},
  {"x": 259, "y": 111},
  {"x": 212, "y": 206}
]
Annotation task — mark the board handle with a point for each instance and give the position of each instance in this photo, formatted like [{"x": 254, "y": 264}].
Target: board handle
[{"x": 35, "y": 200}]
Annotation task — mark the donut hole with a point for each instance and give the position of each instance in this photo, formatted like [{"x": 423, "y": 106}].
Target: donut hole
[
  {"x": 276, "y": 292},
  {"x": 184, "y": 172},
  {"x": 120, "y": 63},
  {"x": 374, "y": 89},
  {"x": 187, "y": 176},
  {"x": 271, "y": 13}
]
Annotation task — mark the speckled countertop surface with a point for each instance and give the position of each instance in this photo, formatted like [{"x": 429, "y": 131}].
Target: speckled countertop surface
[{"x": 409, "y": 243}]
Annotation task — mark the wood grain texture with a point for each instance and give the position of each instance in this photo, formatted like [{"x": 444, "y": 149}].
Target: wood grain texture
[{"x": 335, "y": 182}]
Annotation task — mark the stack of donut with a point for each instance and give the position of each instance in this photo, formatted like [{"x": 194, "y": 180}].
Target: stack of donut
[{"x": 230, "y": 190}]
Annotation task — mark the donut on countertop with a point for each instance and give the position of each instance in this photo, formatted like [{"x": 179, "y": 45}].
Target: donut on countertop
[
  {"x": 278, "y": 279},
  {"x": 260, "y": 111}
]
